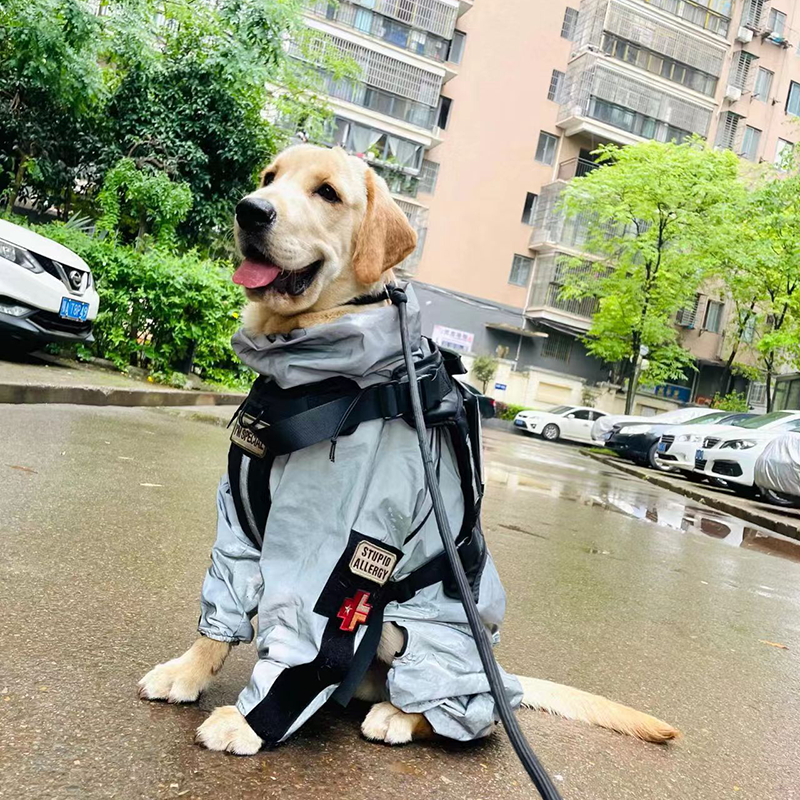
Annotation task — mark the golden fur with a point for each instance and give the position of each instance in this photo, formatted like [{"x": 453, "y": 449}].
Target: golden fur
[{"x": 360, "y": 239}]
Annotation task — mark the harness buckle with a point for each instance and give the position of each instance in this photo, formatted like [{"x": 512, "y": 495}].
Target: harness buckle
[{"x": 387, "y": 396}]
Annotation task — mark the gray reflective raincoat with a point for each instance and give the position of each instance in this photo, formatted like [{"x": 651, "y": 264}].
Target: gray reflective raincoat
[{"x": 338, "y": 534}]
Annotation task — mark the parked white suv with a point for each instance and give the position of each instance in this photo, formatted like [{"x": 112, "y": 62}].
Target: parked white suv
[{"x": 47, "y": 293}]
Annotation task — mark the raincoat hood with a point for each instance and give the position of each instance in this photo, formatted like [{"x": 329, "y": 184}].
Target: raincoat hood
[{"x": 363, "y": 346}]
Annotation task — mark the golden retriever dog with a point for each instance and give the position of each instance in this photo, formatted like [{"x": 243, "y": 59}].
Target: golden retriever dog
[{"x": 332, "y": 233}]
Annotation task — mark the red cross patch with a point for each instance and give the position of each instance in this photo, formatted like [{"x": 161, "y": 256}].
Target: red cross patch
[{"x": 354, "y": 611}]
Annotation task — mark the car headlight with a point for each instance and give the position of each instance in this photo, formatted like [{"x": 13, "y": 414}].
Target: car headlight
[
  {"x": 19, "y": 255},
  {"x": 738, "y": 444},
  {"x": 632, "y": 430},
  {"x": 690, "y": 437}
]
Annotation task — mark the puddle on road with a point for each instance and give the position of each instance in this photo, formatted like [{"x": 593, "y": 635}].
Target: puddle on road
[{"x": 628, "y": 496}]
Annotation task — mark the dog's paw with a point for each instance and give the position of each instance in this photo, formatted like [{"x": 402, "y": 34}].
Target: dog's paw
[
  {"x": 385, "y": 723},
  {"x": 226, "y": 729},
  {"x": 178, "y": 681}
]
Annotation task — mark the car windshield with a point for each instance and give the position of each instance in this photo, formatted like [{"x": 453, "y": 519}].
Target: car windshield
[
  {"x": 792, "y": 425},
  {"x": 764, "y": 419},
  {"x": 735, "y": 419},
  {"x": 560, "y": 409},
  {"x": 707, "y": 418}
]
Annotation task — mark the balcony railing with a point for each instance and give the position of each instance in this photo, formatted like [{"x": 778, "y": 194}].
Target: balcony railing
[
  {"x": 594, "y": 89},
  {"x": 419, "y": 114},
  {"x": 549, "y": 275},
  {"x": 584, "y": 307},
  {"x": 575, "y": 168},
  {"x": 712, "y": 15},
  {"x": 370, "y": 23}
]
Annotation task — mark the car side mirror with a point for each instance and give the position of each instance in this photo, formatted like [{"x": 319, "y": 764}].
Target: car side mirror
[{"x": 570, "y": 416}]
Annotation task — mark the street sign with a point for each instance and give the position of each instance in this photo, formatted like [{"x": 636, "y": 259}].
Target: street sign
[{"x": 501, "y": 386}]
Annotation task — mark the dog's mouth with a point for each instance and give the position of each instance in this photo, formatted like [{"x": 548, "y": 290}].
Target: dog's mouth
[{"x": 259, "y": 275}]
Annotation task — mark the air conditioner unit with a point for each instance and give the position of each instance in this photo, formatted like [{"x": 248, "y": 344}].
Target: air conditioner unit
[
  {"x": 733, "y": 93},
  {"x": 745, "y": 35}
]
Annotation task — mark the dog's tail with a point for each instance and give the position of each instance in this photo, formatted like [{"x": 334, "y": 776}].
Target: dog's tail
[{"x": 574, "y": 704}]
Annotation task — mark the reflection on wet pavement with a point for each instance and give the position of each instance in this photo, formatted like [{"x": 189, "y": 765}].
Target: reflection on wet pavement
[{"x": 562, "y": 472}]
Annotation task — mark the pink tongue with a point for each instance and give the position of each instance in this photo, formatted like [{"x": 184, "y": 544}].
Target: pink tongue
[{"x": 255, "y": 274}]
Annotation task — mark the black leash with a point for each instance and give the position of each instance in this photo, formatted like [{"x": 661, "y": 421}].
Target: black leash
[{"x": 540, "y": 778}]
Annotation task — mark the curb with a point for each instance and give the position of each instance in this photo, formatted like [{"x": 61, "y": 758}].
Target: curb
[
  {"x": 719, "y": 503},
  {"x": 20, "y": 393}
]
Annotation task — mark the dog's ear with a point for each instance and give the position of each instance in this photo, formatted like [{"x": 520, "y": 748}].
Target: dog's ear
[{"x": 385, "y": 237}]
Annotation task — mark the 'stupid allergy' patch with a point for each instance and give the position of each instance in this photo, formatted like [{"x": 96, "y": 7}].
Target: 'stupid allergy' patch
[{"x": 372, "y": 562}]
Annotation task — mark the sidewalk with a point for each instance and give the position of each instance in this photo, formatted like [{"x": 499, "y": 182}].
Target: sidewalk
[
  {"x": 41, "y": 378},
  {"x": 784, "y": 521}
]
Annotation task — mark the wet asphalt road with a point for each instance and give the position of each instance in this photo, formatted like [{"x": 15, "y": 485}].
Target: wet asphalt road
[{"x": 615, "y": 586}]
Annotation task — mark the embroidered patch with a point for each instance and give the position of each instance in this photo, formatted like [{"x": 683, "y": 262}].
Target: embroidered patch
[
  {"x": 372, "y": 562},
  {"x": 354, "y": 611},
  {"x": 246, "y": 438}
]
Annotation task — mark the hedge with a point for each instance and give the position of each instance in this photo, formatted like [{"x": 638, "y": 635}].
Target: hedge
[{"x": 160, "y": 310}]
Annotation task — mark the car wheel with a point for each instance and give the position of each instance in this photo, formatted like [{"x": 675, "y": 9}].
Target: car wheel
[
  {"x": 780, "y": 499},
  {"x": 551, "y": 432},
  {"x": 652, "y": 461}
]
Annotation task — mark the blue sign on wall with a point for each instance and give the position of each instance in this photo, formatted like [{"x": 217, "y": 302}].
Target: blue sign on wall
[
  {"x": 500, "y": 386},
  {"x": 680, "y": 394}
]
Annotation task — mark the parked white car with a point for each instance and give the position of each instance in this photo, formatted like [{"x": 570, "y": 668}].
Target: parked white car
[
  {"x": 733, "y": 455},
  {"x": 678, "y": 446},
  {"x": 46, "y": 291},
  {"x": 777, "y": 470},
  {"x": 561, "y": 422}
]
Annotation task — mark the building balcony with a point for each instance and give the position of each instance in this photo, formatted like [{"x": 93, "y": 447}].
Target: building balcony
[
  {"x": 608, "y": 99},
  {"x": 705, "y": 14},
  {"x": 544, "y": 301},
  {"x": 575, "y": 168},
  {"x": 379, "y": 26}
]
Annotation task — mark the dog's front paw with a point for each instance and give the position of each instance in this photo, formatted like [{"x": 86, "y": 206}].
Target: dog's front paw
[
  {"x": 183, "y": 679},
  {"x": 226, "y": 729},
  {"x": 390, "y": 725}
]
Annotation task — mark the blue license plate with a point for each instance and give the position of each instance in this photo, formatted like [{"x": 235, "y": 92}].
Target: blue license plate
[
  {"x": 519, "y": 423},
  {"x": 662, "y": 447},
  {"x": 75, "y": 310},
  {"x": 699, "y": 455}
]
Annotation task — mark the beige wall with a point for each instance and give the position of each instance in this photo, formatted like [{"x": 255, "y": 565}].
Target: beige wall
[{"x": 487, "y": 156}]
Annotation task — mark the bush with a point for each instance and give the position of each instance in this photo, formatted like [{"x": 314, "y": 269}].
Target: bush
[
  {"x": 507, "y": 411},
  {"x": 160, "y": 310},
  {"x": 735, "y": 401}
]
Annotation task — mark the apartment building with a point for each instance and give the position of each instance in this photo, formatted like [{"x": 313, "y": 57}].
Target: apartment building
[
  {"x": 541, "y": 84},
  {"x": 394, "y": 115}
]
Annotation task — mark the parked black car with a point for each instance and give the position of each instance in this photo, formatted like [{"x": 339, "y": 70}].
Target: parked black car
[{"x": 485, "y": 404}]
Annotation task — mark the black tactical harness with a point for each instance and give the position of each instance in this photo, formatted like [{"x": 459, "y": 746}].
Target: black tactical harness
[{"x": 274, "y": 422}]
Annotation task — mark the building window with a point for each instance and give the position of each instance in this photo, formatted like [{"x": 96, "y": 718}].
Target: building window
[
  {"x": 752, "y": 137},
  {"x": 428, "y": 176},
  {"x": 753, "y": 12},
  {"x": 570, "y": 23},
  {"x": 546, "y": 148},
  {"x": 793, "y": 100},
  {"x": 740, "y": 70},
  {"x": 688, "y": 314},
  {"x": 749, "y": 329},
  {"x": 557, "y": 346},
  {"x": 728, "y": 129},
  {"x": 457, "y": 47},
  {"x": 777, "y": 23},
  {"x": 757, "y": 396},
  {"x": 445, "y": 104},
  {"x": 763, "y": 84},
  {"x": 783, "y": 154},
  {"x": 556, "y": 82},
  {"x": 529, "y": 209},
  {"x": 713, "y": 317},
  {"x": 520, "y": 270}
]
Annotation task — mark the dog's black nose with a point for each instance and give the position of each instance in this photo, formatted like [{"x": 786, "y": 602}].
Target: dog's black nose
[{"x": 253, "y": 213}]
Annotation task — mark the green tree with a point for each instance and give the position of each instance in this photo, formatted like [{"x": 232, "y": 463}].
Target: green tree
[
  {"x": 484, "y": 369},
  {"x": 646, "y": 212},
  {"x": 51, "y": 92},
  {"x": 772, "y": 238}
]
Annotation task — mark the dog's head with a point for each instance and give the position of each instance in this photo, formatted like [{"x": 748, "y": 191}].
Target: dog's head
[{"x": 321, "y": 229}]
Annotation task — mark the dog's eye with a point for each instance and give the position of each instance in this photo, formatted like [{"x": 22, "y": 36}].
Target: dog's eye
[
  {"x": 268, "y": 178},
  {"x": 328, "y": 193}
]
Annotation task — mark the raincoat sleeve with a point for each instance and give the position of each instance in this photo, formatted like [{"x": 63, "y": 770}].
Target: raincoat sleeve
[{"x": 233, "y": 584}]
